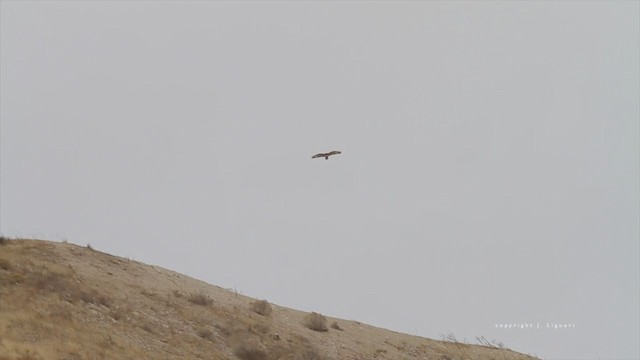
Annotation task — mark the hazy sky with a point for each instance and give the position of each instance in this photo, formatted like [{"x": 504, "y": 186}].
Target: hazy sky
[{"x": 489, "y": 174}]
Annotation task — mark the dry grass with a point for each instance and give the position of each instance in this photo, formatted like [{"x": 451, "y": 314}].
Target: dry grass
[
  {"x": 50, "y": 281},
  {"x": 63, "y": 301},
  {"x": 200, "y": 298},
  {"x": 205, "y": 333},
  {"x": 485, "y": 342},
  {"x": 250, "y": 351},
  {"x": 261, "y": 307},
  {"x": 5, "y": 264},
  {"x": 316, "y": 322},
  {"x": 147, "y": 327}
]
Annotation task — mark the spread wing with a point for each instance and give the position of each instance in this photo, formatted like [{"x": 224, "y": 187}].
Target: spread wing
[{"x": 326, "y": 155}]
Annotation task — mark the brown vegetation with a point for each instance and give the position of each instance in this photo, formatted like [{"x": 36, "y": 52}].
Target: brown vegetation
[
  {"x": 251, "y": 352},
  {"x": 62, "y": 301},
  {"x": 261, "y": 307},
  {"x": 316, "y": 322},
  {"x": 200, "y": 299}
]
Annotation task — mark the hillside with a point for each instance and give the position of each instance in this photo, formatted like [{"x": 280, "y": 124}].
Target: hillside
[{"x": 63, "y": 301}]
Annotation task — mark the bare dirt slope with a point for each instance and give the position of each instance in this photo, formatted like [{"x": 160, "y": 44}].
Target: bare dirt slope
[{"x": 63, "y": 301}]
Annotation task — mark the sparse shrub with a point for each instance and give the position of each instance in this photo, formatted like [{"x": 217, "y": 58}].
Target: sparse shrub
[
  {"x": 225, "y": 329},
  {"x": 88, "y": 297},
  {"x": 72, "y": 293},
  {"x": 89, "y": 247},
  {"x": 4, "y": 240},
  {"x": 316, "y": 322},
  {"x": 5, "y": 264},
  {"x": 261, "y": 307},
  {"x": 173, "y": 304},
  {"x": 205, "y": 333},
  {"x": 495, "y": 344},
  {"x": 149, "y": 294},
  {"x": 47, "y": 281},
  {"x": 177, "y": 293},
  {"x": 334, "y": 325},
  {"x": 450, "y": 337},
  {"x": 200, "y": 299},
  {"x": 259, "y": 328},
  {"x": 250, "y": 352}
]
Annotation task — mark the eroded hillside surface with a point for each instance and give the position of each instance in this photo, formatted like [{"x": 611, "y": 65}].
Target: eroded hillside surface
[{"x": 63, "y": 301}]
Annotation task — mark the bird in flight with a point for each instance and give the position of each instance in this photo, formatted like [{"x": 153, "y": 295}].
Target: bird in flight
[{"x": 326, "y": 155}]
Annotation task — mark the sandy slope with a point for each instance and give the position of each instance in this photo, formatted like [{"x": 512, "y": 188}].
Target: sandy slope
[{"x": 62, "y": 301}]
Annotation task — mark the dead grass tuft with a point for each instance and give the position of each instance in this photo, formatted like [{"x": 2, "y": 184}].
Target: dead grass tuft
[
  {"x": 205, "y": 333},
  {"x": 47, "y": 281},
  {"x": 259, "y": 328},
  {"x": 200, "y": 298},
  {"x": 73, "y": 294},
  {"x": 149, "y": 294},
  {"x": 316, "y": 322},
  {"x": 250, "y": 352},
  {"x": 261, "y": 307},
  {"x": 11, "y": 279},
  {"x": 147, "y": 327},
  {"x": 450, "y": 337},
  {"x": 5, "y": 264},
  {"x": 494, "y": 344}
]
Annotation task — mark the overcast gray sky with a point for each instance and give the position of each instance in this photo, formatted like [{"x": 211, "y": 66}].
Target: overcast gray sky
[{"x": 489, "y": 172}]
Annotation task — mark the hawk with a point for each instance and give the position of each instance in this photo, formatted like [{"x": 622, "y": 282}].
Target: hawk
[{"x": 326, "y": 155}]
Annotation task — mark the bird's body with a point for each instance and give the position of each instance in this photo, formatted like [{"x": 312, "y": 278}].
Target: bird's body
[{"x": 326, "y": 155}]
